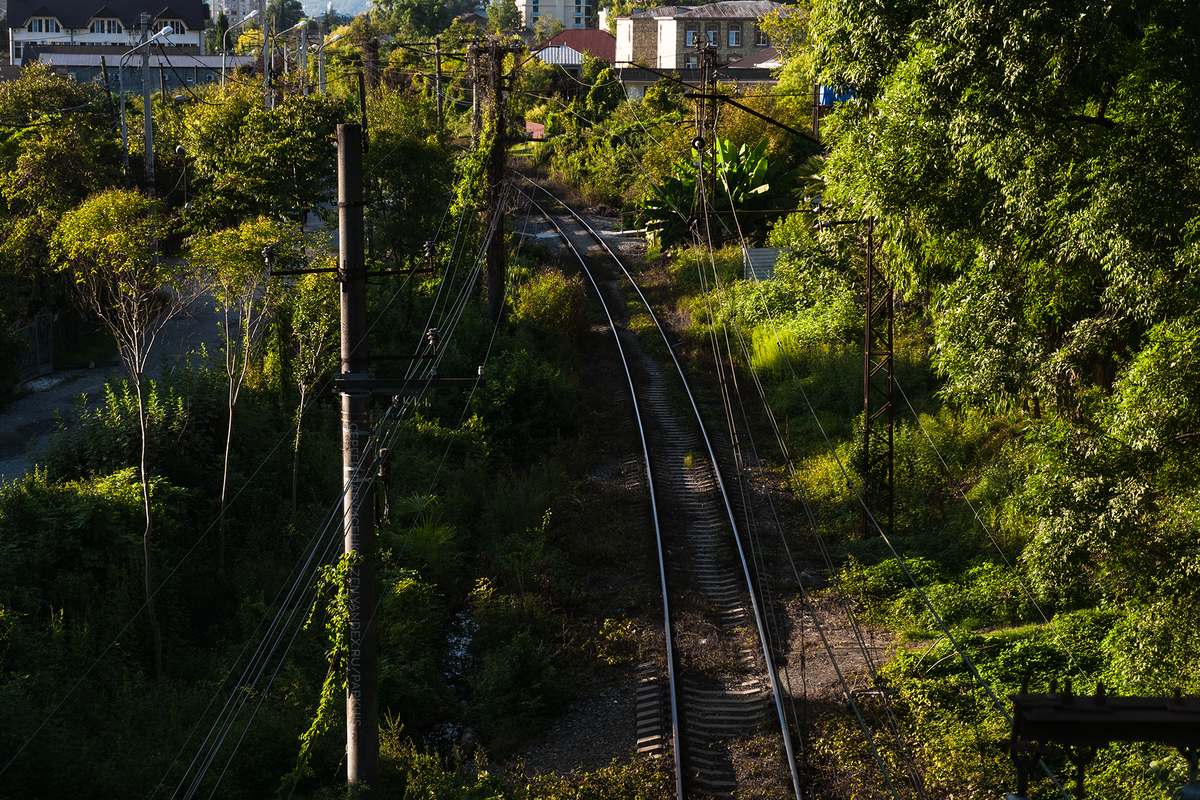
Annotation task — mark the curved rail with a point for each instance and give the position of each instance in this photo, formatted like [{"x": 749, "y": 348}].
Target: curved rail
[
  {"x": 662, "y": 567},
  {"x": 776, "y": 690}
]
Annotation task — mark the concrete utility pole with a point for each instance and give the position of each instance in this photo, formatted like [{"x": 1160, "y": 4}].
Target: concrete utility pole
[
  {"x": 303, "y": 58},
  {"x": 473, "y": 67},
  {"x": 267, "y": 64},
  {"x": 362, "y": 700},
  {"x": 707, "y": 136},
  {"x": 147, "y": 108},
  {"x": 495, "y": 179},
  {"x": 816, "y": 112},
  {"x": 437, "y": 81}
]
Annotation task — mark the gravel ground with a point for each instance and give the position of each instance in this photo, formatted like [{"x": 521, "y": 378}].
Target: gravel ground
[
  {"x": 29, "y": 424},
  {"x": 588, "y": 735},
  {"x": 602, "y": 726}
]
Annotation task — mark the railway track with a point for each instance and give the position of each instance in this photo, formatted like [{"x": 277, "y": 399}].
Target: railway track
[{"x": 720, "y": 683}]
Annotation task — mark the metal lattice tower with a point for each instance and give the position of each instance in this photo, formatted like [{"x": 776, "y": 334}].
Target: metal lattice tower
[{"x": 878, "y": 494}]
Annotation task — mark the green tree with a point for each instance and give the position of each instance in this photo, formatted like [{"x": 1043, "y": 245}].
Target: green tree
[
  {"x": 1048, "y": 203},
  {"x": 313, "y": 302},
  {"x": 741, "y": 179},
  {"x": 232, "y": 262},
  {"x": 605, "y": 94},
  {"x": 245, "y": 160},
  {"x": 58, "y": 150},
  {"x": 283, "y": 14},
  {"x": 216, "y": 34},
  {"x": 503, "y": 16},
  {"x": 416, "y": 18},
  {"x": 546, "y": 28},
  {"x": 410, "y": 173},
  {"x": 107, "y": 249}
]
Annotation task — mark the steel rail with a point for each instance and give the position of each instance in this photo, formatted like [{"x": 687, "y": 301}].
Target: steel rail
[
  {"x": 776, "y": 690},
  {"x": 662, "y": 567}
]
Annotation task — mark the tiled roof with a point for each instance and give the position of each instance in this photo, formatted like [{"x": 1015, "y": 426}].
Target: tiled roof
[
  {"x": 732, "y": 9},
  {"x": 767, "y": 57},
  {"x": 599, "y": 44}
]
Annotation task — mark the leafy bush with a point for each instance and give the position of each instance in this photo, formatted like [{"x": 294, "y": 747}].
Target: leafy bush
[
  {"x": 515, "y": 689},
  {"x": 524, "y": 402},
  {"x": 553, "y": 303},
  {"x": 745, "y": 180},
  {"x": 184, "y": 412},
  {"x": 412, "y": 622}
]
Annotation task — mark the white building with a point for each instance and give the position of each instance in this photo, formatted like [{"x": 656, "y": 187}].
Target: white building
[
  {"x": 571, "y": 13},
  {"x": 113, "y": 23},
  {"x": 667, "y": 37}
]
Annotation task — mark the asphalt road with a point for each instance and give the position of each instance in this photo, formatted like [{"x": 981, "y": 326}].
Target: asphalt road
[{"x": 29, "y": 424}]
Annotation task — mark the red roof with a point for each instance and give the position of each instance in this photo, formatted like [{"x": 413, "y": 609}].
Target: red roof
[{"x": 600, "y": 44}]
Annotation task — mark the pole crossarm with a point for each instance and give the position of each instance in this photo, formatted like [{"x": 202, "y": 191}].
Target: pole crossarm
[
  {"x": 724, "y": 98},
  {"x": 367, "y": 383}
]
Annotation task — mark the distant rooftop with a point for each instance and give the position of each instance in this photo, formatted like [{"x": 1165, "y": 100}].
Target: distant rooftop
[
  {"x": 767, "y": 57},
  {"x": 599, "y": 44},
  {"x": 560, "y": 54},
  {"x": 733, "y": 9}
]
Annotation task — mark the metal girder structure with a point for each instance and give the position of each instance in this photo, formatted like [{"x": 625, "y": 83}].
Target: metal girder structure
[
  {"x": 878, "y": 410},
  {"x": 1080, "y": 725}
]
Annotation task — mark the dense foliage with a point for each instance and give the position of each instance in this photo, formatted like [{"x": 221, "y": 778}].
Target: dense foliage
[
  {"x": 484, "y": 633},
  {"x": 1032, "y": 177}
]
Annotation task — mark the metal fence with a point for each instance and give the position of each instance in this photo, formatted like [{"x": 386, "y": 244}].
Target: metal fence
[{"x": 39, "y": 359}]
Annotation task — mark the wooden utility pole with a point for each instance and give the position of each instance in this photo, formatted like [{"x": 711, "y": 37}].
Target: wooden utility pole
[
  {"x": 268, "y": 100},
  {"x": 107, "y": 91},
  {"x": 362, "y": 700}
]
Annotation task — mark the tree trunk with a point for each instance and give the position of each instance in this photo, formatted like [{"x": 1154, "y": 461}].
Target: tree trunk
[
  {"x": 158, "y": 666},
  {"x": 296, "y": 446},
  {"x": 225, "y": 478}
]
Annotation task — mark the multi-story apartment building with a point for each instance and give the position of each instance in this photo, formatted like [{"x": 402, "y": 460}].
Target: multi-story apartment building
[
  {"x": 571, "y": 13},
  {"x": 667, "y": 37},
  {"x": 114, "y": 23}
]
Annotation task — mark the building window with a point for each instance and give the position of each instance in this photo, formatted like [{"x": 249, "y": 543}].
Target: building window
[
  {"x": 714, "y": 33},
  {"x": 106, "y": 26},
  {"x": 43, "y": 26},
  {"x": 735, "y": 35},
  {"x": 691, "y": 62},
  {"x": 763, "y": 40},
  {"x": 175, "y": 26},
  {"x": 579, "y": 22},
  {"x": 689, "y": 38}
]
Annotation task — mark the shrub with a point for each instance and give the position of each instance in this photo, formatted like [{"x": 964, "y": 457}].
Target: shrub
[
  {"x": 524, "y": 402},
  {"x": 553, "y": 303}
]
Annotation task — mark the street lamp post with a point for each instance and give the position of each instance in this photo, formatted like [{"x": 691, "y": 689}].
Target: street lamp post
[
  {"x": 224, "y": 43},
  {"x": 321, "y": 62},
  {"x": 270, "y": 96}
]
